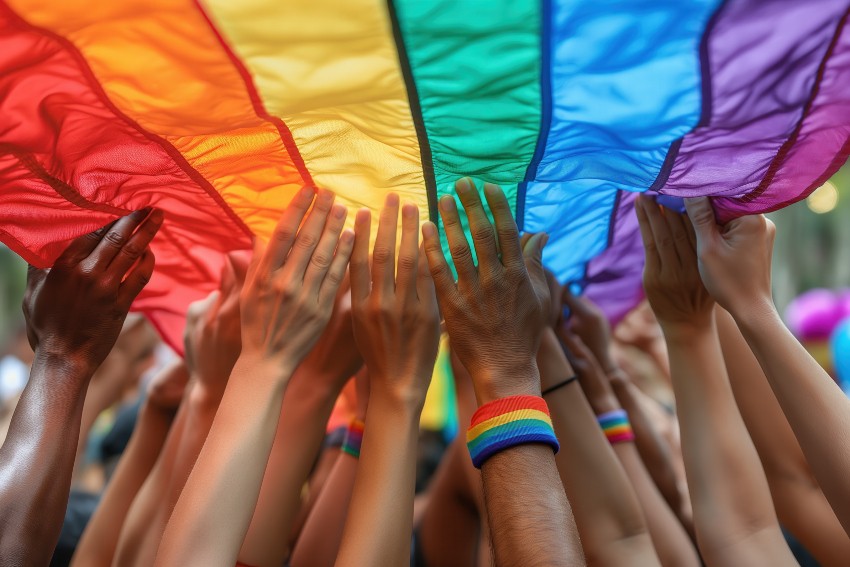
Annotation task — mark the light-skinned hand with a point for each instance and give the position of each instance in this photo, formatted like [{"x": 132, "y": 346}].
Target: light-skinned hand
[
  {"x": 212, "y": 338},
  {"x": 734, "y": 259},
  {"x": 396, "y": 318},
  {"x": 75, "y": 310},
  {"x": 589, "y": 323},
  {"x": 671, "y": 277},
  {"x": 497, "y": 311},
  {"x": 289, "y": 292}
]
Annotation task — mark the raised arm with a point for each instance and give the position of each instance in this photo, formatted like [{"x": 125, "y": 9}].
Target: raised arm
[
  {"x": 495, "y": 315},
  {"x": 74, "y": 314},
  {"x": 607, "y": 512},
  {"x": 799, "y": 502},
  {"x": 669, "y": 537},
  {"x": 307, "y": 405},
  {"x": 286, "y": 303},
  {"x": 734, "y": 262},
  {"x": 397, "y": 327},
  {"x": 733, "y": 514},
  {"x": 100, "y": 538}
]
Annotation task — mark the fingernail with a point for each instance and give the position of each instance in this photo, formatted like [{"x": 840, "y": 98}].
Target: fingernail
[
  {"x": 140, "y": 213},
  {"x": 326, "y": 196},
  {"x": 463, "y": 185},
  {"x": 338, "y": 211},
  {"x": 307, "y": 192},
  {"x": 429, "y": 230},
  {"x": 347, "y": 236},
  {"x": 409, "y": 211},
  {"x": 391, "y": 200},
  {"x": 543, "y": 240},
  {"x": 363, "y": 215},
  {"x": 447, "y": 203},
  {"x": 491, "y": 189},
  {"x": 157, "y": 216}
]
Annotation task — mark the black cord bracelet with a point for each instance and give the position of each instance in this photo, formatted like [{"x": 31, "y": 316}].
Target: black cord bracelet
[{"x": 551, "y": 389}]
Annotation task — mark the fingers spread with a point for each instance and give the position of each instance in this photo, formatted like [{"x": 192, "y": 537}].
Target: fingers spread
[
  {"x": 441, "y": 274},
  {"x": 458, "y": 245},
  {"x": 408, "y": 252},
  {"x": 360, "y": 276},
  {"x": 483, "y": 236},
  {"x": 323, "y": 254},
  {"x": 280, "y": 243},
  {"x": 383, "y": 255},
  {"x": 506, "y": 229},
  {"x": 308, "y": 237},
  {"x": 336, "y": 273}
]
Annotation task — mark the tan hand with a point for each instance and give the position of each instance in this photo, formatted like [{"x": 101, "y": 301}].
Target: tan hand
[
  {"x": 289, "y": 291},
  {"x": 396, "y": 319},
  {"x": 671, "y": 277},
  {"x": 734, "y": 260},
  {"x": 496, "y": 312}
]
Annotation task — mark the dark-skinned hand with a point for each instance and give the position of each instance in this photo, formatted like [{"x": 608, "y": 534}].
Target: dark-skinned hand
[
  {"x": 497, "y": 311},
  {"x": 75, "y": 310}
]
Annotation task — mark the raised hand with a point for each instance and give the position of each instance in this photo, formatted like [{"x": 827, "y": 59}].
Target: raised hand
[
  {"x": 670, "y": 277},
  {"x": 289, "y": 292},
  {"x": 75, "y": 310},
  {"x": 496, "y": 312},
  {"x": 396, "y": 319},
  {"x": 213, "y": 336},
  {"x": 591, "y": 326},
  {"x": 495, "y": 316},
  {"x": 734, "y": 259}
]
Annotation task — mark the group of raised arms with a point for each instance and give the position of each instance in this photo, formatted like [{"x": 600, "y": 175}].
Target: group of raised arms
[{"x": 697, "y": 432}]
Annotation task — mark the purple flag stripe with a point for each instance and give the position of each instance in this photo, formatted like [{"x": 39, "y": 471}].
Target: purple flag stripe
[
  {"x": 764, "y": 57},
  {"x": 817, "y": 148}
]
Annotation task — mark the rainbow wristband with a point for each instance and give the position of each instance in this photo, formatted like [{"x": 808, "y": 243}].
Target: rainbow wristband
[
  {"x": 507, "y": 422},
  {"x": 353, "y": 438},
  {"x": 615, "y": 424}
]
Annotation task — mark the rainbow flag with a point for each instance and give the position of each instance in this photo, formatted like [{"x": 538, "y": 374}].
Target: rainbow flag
[{"x": 218, "y": 111}]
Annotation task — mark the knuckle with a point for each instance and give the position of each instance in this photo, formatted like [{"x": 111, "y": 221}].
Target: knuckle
[
  {"x": 407, "y": 263},
  {"x": 132, "y": 250},
  {"x": 307, "y": 241},
  {"x": 381, "y": 255},
  {"x": 115, "y": 238},
  {"x": 283, "y": 234},
  {"x": 461, "y": 251},
  {"x": 483, "y": 233},
  {"x": 320, "y": 261}
]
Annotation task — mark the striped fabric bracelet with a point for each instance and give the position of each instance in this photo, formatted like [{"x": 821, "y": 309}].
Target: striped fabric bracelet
[
  {"x": 615, "y": 424},
  {"x": 504, "y": 423},
  {"x": 353, "y": 438}
]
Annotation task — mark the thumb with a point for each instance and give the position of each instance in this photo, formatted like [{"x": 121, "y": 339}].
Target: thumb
[{"x": 701, "y": 214}]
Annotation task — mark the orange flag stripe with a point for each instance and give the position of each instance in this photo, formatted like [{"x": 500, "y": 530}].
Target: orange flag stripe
[{"x": 175, "y": 78}]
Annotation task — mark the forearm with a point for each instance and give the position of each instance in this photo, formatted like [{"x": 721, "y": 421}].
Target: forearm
[
  {"x": 669, "y": 537},
  {"x": 530, "y": 519},
  {"x": 319, "y": 542},
  {"x": 215, "y": 508},
  {"x": 803, "y": 389},
  {"x": 300, "y": 431},
  {"x": 100, "y": 538},
  {"x": 654, "y": 450},
  {"x": 606, "y": 509},
  {"x": 729, "y": 491},
  {"x": 38, "y": 461},
  {"x": 380, "y": 518},
  {"x": 799, "y": 502}
]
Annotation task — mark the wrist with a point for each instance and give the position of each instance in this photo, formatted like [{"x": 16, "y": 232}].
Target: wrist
[
  {"x": 683, "y": 332},
  {"x": 494, "y": 384},
  {"x": 386, "y": 407},
  {"x": 72, "y": 365},
  {"x": 755, "y": 315},
  {"x": 260, "y": 369},
  {"x": 409, "y": 399}
]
